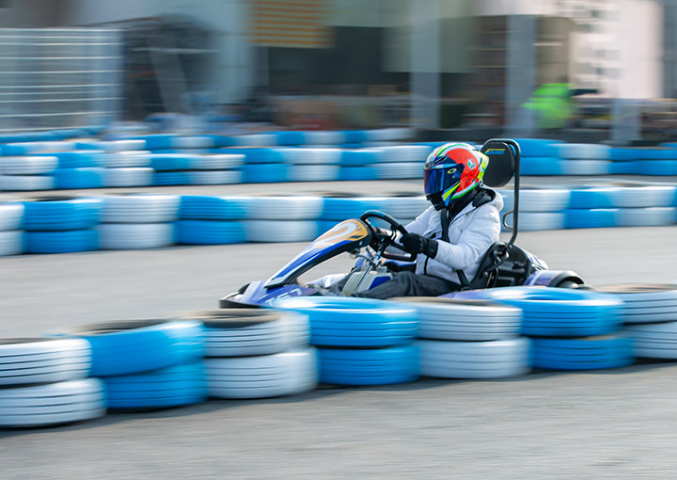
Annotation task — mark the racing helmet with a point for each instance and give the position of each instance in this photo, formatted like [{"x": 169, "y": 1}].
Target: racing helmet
[{"x": 451, "y": 172}]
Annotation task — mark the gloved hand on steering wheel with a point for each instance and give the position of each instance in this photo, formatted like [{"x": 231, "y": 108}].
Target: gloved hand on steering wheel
[{"x": 415, "y": 244}]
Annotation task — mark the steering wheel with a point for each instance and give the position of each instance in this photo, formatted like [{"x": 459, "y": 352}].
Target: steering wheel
[{"x": 387, "y": 239}]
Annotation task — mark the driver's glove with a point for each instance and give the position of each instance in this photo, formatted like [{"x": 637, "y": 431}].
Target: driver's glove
[{"x": 415, "y": 243}]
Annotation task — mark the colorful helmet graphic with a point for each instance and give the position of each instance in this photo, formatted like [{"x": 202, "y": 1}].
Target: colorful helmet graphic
[{"x": 451, "y": 172}]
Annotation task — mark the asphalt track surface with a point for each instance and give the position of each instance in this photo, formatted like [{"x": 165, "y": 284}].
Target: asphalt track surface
[{"x": 609, "y": 424}]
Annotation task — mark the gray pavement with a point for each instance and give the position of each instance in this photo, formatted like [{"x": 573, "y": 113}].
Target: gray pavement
[{"x": 610, "y": 424}]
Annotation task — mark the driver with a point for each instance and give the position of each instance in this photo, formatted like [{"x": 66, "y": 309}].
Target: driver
[{"x": 453, "y": 234}]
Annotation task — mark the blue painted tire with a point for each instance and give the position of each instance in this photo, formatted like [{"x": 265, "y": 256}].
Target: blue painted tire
[
  {"x": 557, "y": 312},
  {"x": 75, "y": 178},
  {"x": 166, "y": 162},
  {"x": 78, "y": 158},
  {"x": 380, "y": 366},
  {"x": 535, "y": 147},
  {"x": 69, "y": 241},
  {"x": 171, "y": 178},
  {"x": 199, "y": 207},
  {"x": 591, "y": 198},
  {"x": 210, "y": 232},
  {"x": 265, "y": 173},
  {"x": 133, "y": 346},
  {"x": 360, "y": 158},
  {"x": 265, "y": 156},
  {"x": 62, "y": 213},
  {"x": 357, "y": 174},
  {"x": 351, "y": 207},
  {"x": 541, "y": 166},
  {"x": 164, "y": 388},
  {"x": 611, "y": 351},
  {"x": 595, "y": 218},
  {"x": 355, "y": 322},
  {"x": 355, "y": 136}
]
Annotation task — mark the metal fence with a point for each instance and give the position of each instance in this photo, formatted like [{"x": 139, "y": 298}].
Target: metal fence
[{"x": 59, "y": 78}]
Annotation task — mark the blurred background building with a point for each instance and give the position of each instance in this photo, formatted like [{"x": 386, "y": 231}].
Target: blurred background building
[{"x": 477, "y": 66}]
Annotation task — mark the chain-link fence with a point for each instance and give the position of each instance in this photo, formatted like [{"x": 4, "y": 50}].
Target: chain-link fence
[{"x": 59, "y": 78}]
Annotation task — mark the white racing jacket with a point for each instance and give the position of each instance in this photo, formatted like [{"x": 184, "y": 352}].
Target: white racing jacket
[{"x": 471, "y": 233}]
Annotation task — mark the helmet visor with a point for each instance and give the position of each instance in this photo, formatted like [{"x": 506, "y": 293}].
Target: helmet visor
[{"x": 440, "y": 179}]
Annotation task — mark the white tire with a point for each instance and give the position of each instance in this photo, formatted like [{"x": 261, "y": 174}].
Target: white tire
[
  {"x": 217, "y": 162},
  {"x": 497, "y": 359},
  {"x": 26, "y": 183},
  {"x": 586, "y": 167},
  {"x": 541, "y": 200},
  {"x": 647, "y": 217},
  {"x": 583, "y": 151},
  {"x": 256, "y": 140},
  {"x": 118, "y": 145},
  {"x": 323, "y": 138},
  {"x": 140, "y": 208},
  {"x": 43, "y": 360},
  {"x": 447, "y": 319},
  {"x": 28, "y": 165},
  {"x": 537, "y": 221},
  {"x": 414, "y": 154},
  {"x": 130, "y": 159},
  {"x": 215, "y": 177},
  {"x": 128, "y": 177},
  {"x": 133, "y": 236},
  {"x": 12, "y": 242},
  {"x": 192, "y": 142},
  {"x": 11, "y": 214},
  {"x": 288, "y": 373},
  {"x": 404, "y": 170},
  {"x": 313, "y": 173},
  {"x": 286, "y": 208},
  {"x": 311, "y": 156},
  {"x": 644, "y": 196},
  {"x": 280, "y": 231},
  {"x": 390, "y": 134},
  {"x": 648, "y": 303},
  {"x": 658, "y": 340},
  {"x": 53, "y": 404}
]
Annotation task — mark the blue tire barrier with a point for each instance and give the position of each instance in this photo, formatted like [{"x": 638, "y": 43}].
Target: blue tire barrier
[
  {"x": 12, "y": 242},
  {"x": 210, "y": 232},
  {"x": 255, "y": 140},
  {"x": 360, "y": 158},
  {"x": 355, "y": 136},
  {"x": 644, "y": 196},
  {"x": 244, "y": 332},
  {"x": 79, "y": 158},
  {"x": 311, "y": 156},
  {"x": 405, "y": 154},
  {"x": 217, "y": 162},
  {"x": 136, "y": 236},
  {"x": 195, "y": 141},
  {"x": 583, "y": 151},
  {"x": 622, "y": 168},
  {"x": 541, "y": 166},
  {"x": 68, "y": 241},
  {"x": 337, "y": 208},
  {"x": 289, "y": 138},
  {"x": 557, "y": 312},
  {"x": 26, "y": 183},
  {"x": 11, "y": 215},
  {"x": 402, "y": 170},
  {"x": 651, "y": 167},
  {"x": 76, "y": 178},
  {"x": 645, "y": 303},
  {"x": 200, "y": 207},
  {"x": 214, "y": 177},
  {"x": 35, "y": 165},
  {"x": 168, "y": 162},
  {"x": 314, "y": 173},
  {"x": 265, "y": 173},
  {"x": 538, "y": 221},
  {"x": 654, "y": 340},
  {"x": 263, "y": 376},
  {"x": 62, "y": 213},
  {"x": 171, "y": 178},
  {"x": 31, "y": 361},
  {"x": 52, "y": 404},
  {"x": 592, "y": 198},
  {"x": 586, "y": 167},
  {"x": 361, "y": 367},
  {"x": 115, "y": 146},
  {"x": 132, "y": 346},
  {"x": 302, "y": 207},
  {"x": 128, "y": 177},
  {"x": 266, "y": 156},
  {"x": 323, "y": 137},
  {"x": 535, "y": 147},
  {"x": 357, "y": 174},
  {"x": 140, "y": 208},
  {"x": 647, "y": 217},
  {"x": 280, "y": 231},
  {"x": 128, "y": 159},
  {"x": 156, "y": 141},
  {"x": 622, "y": 154},
  {"x": 593, "y": 353},
  {"x": 175, "y": 386},
  {"x": 355, "y": 322},
  {"x": 658, "y": 153},
  {"x": 594, "y": 218},
  {"x": 477, "y": 359},
  {"x": 538, "y": 200}
]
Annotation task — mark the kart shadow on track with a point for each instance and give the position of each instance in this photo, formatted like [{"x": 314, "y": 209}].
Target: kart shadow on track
[{"x": 373, "y": 240}]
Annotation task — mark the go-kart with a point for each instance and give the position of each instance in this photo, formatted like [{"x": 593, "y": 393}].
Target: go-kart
[{"x": 374, "y": 240}]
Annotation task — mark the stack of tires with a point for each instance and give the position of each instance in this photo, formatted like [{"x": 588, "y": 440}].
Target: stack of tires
[
  {"x": 205, "y": 220},
  {"x": 569, "y": 329},
  {"x": 23, "y": 169},
  {"x": 358, "y": 164},
  {"x": 339, "y": 207},
  {"x": 283, "y": 218},
  {"x": 196, "y": 169},
  {"x": 539, "y": 209},
  {"x": 584, "y": 159},
  {"x": 138, "y": 221},
  {"x": 650, "y": 317},
  {"x": 62, "y": 224},
  {"x": 262, "y": 165},
  {"x": 654, "y": 161},
  {"x": 401, "y": 162},
  {"x": 11, "y": 234},
  {"x": 126, "y": 162},
  {"x": 79, "y": 169},
  {"x": 540, "y": 157},
  {"x": 44, "y": 382},
  {"x": 361, "y": 341},
  {"x": 312, "y": 164},
  {"x": 470, "y": 339},
  {"x": 147, "y": 364},
  {"x": 256, "y": 353}
]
